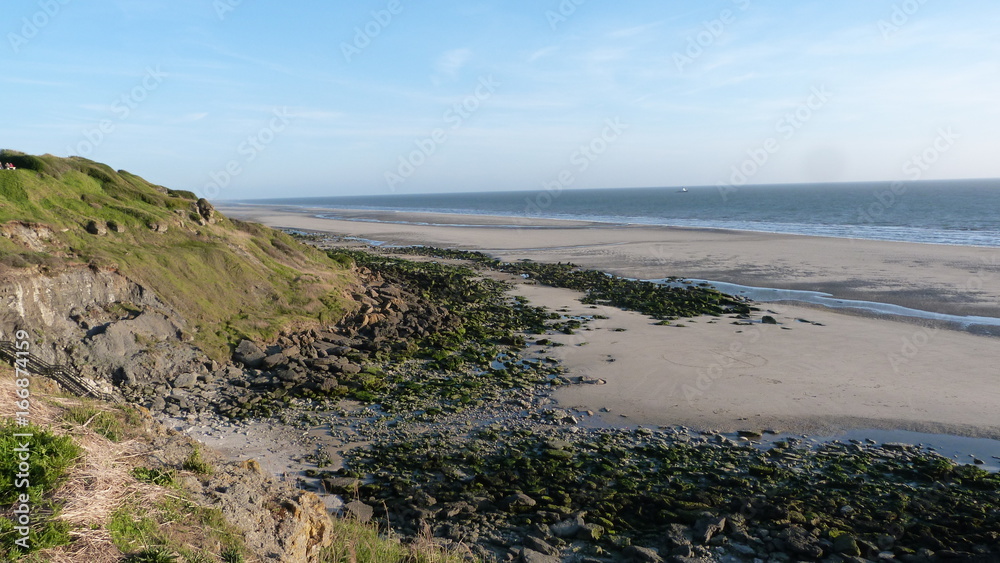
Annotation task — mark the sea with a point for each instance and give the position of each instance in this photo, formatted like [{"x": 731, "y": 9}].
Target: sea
[{"x": 954, "y": 212}]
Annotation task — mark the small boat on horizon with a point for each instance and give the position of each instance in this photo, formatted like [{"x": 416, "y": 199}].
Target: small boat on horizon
[{"x": 682, "y": 191}]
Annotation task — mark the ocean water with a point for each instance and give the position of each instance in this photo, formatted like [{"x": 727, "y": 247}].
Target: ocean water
[{"x": 958, "y": 212}]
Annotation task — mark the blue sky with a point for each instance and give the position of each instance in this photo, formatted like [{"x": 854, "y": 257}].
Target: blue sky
[{"x": 245, "y": 98}]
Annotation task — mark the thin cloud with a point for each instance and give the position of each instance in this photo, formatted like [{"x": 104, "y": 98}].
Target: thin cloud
[{"x": 451, "y": 63}]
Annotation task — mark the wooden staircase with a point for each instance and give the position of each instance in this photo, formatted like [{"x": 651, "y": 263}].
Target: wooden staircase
[{"x": 64, "y": 376}]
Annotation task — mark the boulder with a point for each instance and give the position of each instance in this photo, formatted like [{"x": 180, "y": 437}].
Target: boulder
[
  {"x": 846, "y": 545},
  {"x": 248, "y": 354},
  {"x": 185, "y": 381},
  {"x": 517, "y": 501},
  {"x": 359, "y": 510},
  {"x": 540, "y": 546},
  {"x": 567, "y": 528},
  {"x": 801, "y": 542},
  {"x": 95, "y": 228},
  {"x": 275, "y": 360},
  {"x": 678, "y": 535},
  {"x": 707, "y": 527},
  {"x": 638, "y": 554},
  {"x": 532, "y": 556},
  {"x": 206, "y": 210}
]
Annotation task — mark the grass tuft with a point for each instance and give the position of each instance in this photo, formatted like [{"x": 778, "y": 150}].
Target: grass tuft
[
  {"x": 357, "y": 542},
  {"x": 195, "y": 463}
]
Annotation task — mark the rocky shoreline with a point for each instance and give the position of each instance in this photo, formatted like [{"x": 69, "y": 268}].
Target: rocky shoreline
[{"x": 458, "y": 437}]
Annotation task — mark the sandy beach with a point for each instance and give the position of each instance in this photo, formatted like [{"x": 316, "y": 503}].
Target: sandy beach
[{"x": 819, "y": 371}]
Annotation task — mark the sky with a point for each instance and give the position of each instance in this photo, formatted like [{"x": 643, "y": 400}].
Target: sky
[{"x": 239, "y": 99}]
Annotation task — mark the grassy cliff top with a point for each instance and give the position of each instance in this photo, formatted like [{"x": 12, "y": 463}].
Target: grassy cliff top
[{"x": 228, "y": 279}]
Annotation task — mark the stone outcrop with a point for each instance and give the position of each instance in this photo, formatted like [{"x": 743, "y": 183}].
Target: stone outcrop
[
  {"x": 206, "y": 211},
  {"x": 280, "y": 522},
  {"x": 32, "y": 236},
  {"x": 100, "y": 323}
]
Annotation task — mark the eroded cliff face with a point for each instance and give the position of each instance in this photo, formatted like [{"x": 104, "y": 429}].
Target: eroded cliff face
[{"x": 108, "y": 327}]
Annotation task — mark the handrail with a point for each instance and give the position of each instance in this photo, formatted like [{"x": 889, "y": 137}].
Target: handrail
[{"x": 64, "y": 376}]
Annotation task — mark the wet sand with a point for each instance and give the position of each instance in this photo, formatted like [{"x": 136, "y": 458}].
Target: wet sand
[{"x": 847, "y": 371}]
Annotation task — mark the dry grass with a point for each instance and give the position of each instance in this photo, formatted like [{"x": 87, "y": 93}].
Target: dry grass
[{"x": 96, "y": 486}]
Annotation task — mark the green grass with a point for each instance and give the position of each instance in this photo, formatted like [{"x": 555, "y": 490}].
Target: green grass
[
  {"x": 159, "y": 477},
  {"x": 230, "y": 280},
  {"x": 175, "y": 527},
  {"x": 113, "y": 424},
  {"x": 195, "y": 463},
  {"x": 355, "y": 542},
  {"x": 50, "y": 457}
]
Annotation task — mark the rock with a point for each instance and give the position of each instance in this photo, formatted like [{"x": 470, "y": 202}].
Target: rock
[
  {"x": 540, "y": 546},
  {"x": 638, "y": 554},
  {"x": 275, "y": 360},
  {"x": 678, "y": 535},
  {"x": 341, "y": 485},
  {"x": 802, "y": 542},
  {"x": 159, "y": 403},
  {"x": 248, "y": 354},
  {"x": 707, "y": 527},
  {"x": 516, "y": 501},
  {"x": 95, "y": 228},
  {"x": 158, "y": 227},
  {"x": 768, "y": 320},
  {"x": 359, "y": 510},
  {"x": 114, "y": 226},
  {"x": 206, "y": 210},
  {"x": 682, "y": 551},
  {"x": 532, "y": 556},
  {"x": 590, "y": 532},
  {"x": 567, "y": 528},
  {"x": 305, "y": 529},
  {"x": 185, "y": 381},
  {"x": 846, "y": 545},
  {"x": 349, "y": 368},
  {"x": 421, "y": 498}
]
